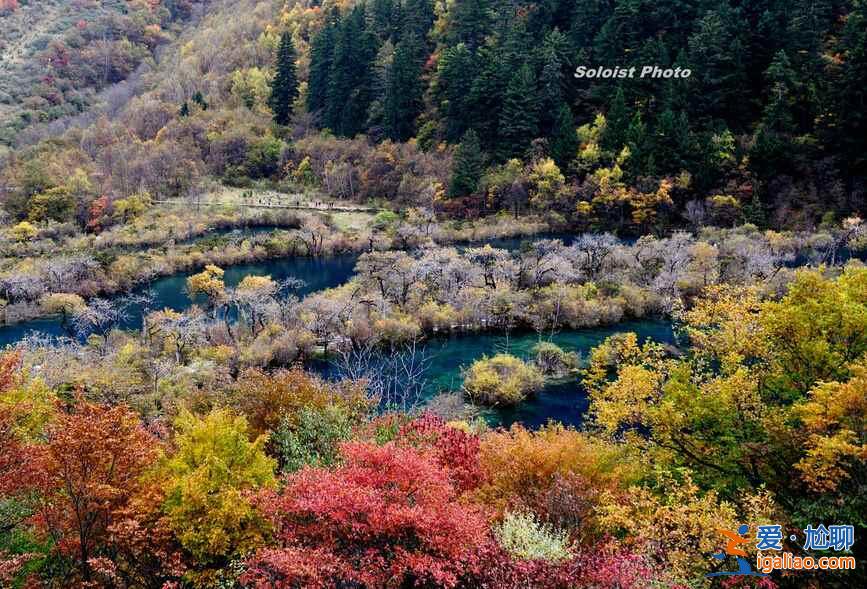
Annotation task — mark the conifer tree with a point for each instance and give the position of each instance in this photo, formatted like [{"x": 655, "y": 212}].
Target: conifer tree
[
  {"x": 470, "y": 21},
  {"x": 851, "y": 92},
  {"x": 467, "y": 167},
  {"x": 564, "y": 141},
  {"x": 616, "y": 123},
  {"x": 519, "y": 118},
  {"x": 321, "y": 58},
  {"x": 284, "y": 87},
  {"x": 349, "y": 85},
  {"x": 456, "y": 72},
  {"x": 403, "y": 101}
]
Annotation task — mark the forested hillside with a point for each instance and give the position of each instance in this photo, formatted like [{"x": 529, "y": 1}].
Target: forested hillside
[
  {"x": 56, "y": 55},
  {"x": 769, "y": 127},
  {"x": 440, "y": 294}
]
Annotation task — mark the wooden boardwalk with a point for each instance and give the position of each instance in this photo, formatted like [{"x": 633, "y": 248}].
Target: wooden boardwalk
[{"x": 262, "y": 203}]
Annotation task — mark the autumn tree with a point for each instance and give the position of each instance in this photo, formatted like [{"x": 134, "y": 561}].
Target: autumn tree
[
  {"x": 206, "y": 481},
  {"x": 387, "y": 515},
  {"x": 83, "y": 479}
]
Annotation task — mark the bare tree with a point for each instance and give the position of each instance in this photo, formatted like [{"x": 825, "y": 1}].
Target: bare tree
[{"x": 396, "y": 379}]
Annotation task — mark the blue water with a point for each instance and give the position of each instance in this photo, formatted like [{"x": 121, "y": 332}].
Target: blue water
[
  {"x": 565, "y": 401},
  {"x": 170, "y": 292}
]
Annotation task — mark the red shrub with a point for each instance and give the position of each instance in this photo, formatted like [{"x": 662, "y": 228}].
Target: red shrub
[
  {"x": 454, "y": 449},
  {"x": 388, "y": 517}
]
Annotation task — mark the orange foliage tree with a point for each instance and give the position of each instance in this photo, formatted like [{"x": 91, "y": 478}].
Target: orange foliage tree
[{"x": 81, "y": 482}]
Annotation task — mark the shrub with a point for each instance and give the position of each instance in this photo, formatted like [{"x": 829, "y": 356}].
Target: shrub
[
  {"x": 313, "y": 439},
  {"x": 551, "y": 359},
  {"x": 388, "y": 517},
  {"x": 522, "y": 535},
  {"x": 501, "y": 380}
]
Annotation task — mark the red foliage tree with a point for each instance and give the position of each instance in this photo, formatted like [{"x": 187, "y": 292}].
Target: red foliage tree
[
  {"x": 83, "y": 480},
  {"x": 388, "y": 517},
  {"x": 455, "y": 450},
  {"x": 97, "y": 214}
]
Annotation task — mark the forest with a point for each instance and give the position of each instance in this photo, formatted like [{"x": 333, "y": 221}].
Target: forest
[{"x": 383, "y": 294}]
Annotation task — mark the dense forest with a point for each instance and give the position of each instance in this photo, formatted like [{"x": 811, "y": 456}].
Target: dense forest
[
  {"x": 768, "y": 128},
  {"x": 444, "y": 294}
]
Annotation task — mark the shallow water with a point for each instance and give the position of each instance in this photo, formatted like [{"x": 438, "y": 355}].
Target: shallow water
[
  {"x": 565, "y": 401},
  {"x": 170, "y": 292}
]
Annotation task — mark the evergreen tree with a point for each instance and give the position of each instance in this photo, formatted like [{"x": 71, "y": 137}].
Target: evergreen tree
[
  {"x": 321, "y": 58},
  {"x": 519, "y": 118},
  {"x": 418, "y": 18},
  {"x": 564, "y": 141},
  {"x": 485, "y": 101},
  {"x": 403, "y": 101},
  {"x": 716, "y": 57},
  {"x": 185, "y": 109},
  {"x": 467, "y": 167},
  {"x": 640, "y": 161},
  {"x": 671, "y": 142},
  {"x": 850, "y": 94},
  {"x": 551, "y": 83},
  {"x": 616, "y": 123},
  {"x": 456, "y": 72},
  {"x": 199, "y": 99},
  {"x": 284, "y": 87},
  {"x": 350, "y": 82},
  {"x": 470, "y": 21}
]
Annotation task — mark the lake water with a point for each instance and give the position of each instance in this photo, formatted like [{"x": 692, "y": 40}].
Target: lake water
[
  {"x": 170, "y": 292},
  {"x": 563, "y": 401}
]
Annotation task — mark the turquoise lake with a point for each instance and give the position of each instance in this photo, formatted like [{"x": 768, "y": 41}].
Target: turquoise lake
[{"x": 563, "y": 401}]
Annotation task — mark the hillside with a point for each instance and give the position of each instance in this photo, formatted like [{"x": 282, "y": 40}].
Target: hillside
[
  {"x": 440, "y": 294},
  {"x": 55, "y": 55},
  {"x": 767, "y": 128}
]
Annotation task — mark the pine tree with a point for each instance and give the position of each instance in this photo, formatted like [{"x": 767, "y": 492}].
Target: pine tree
[
  {"x": 551, "y": 83},
  {"x": 403, "y": 101},
  {"x": 470, "y": 21},
  {"x": 850, "y": 94},
  {"x": 350, "y": 83},
  {"x": 284, "y": 87},
  {"x": 716, "y": 56},
  {"x": 467, "y": 167},
  {"x": 519, "y": 118},
  {"x": 321, "y": 58},
  {"x": 185, "y": 109},
  {"x": 564, "y": 142},
  {"x": 616, "y": 123},
  {"x": 199, "y": 99},
  {"x": 671, "y": 142},
  {"x": 456, "y": 72},
  {"x": 640, "y": 161},
  {"x": 418, "y": 18}
]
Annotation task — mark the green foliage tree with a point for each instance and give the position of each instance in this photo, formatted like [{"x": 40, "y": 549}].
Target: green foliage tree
[
  {"x": 519, "y": 119},
  {"x": 284, "y": 87},
  {"x": 467, "y": 167},
  {"x": 564, "y": 141},
  {"x": 403, "y": 98}
]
